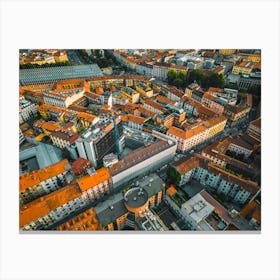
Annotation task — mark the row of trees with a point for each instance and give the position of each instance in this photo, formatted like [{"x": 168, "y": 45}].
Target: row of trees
[
  {"x": 206, "y": 80},
  {"x": 45, "y": 65}
]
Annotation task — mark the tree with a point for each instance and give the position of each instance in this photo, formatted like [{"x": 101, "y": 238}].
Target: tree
[
  {"x": 206, "y": 80},
  {"x": 173, "y": 175},
  {"x": 171, "y": 76},
  {"x": 175, "y": 78}
]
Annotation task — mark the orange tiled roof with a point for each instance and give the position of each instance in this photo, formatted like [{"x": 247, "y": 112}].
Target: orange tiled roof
[
  {"x": 29, "y": 133},
  {"x": 44, "y": 205},
  {"x": 86, "y": 116},
  {"x": 165, "y": 99},
  {"x": 85, "y": 221},
  {"x": 209, "y": 96},
  {"x": 171, "y": 191},
  {"x": 51, "y": 126},
  {"x": 184, "y": 166},
  {"x": 35, "y": 177},
  {"x": 185, "y": 134},
  {"x": 213, "y": 89},
  {"x": 256, "y": 122},
  {"x": 135, "y": 119},
  {"x": 88, "y": 182},
  {"x": 154, "y": 104},
  {"x": 214, "y": 121}
]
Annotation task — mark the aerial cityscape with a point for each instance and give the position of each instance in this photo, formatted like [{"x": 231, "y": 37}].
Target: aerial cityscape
[{"x": 140, "y": 140}]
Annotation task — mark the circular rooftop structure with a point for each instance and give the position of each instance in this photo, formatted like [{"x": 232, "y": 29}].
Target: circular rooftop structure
[{"x": 135, "y": 198}]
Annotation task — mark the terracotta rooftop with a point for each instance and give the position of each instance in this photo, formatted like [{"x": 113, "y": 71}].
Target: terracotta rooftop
[
  {"x": 84, "y": 221},
  {"x": 256, "y": 123},
  {"x": 174, "y": 90},
  {"x": 51, "y": 126},
  {"x": 198, "y": 160},
  {"x": 88, "y": 181},
  {"x": 146, "y": 112},
  {"x": 213, "y": 89},
  {"x": 135, "y": 119},
  {"x": 186, "y": 164},
  {"x": 186, "y": 134},
  {"x": 66, "y": 135},
  {"x": 209, "y": 96},
  {"x": 80, "y": 165},
  {"x": 171, "y": 191},
  {"x": 44, "y": 205},
  {"x": 214, "y": 121},
  {"x": 219, "y": 208},
  {"x": 165, "y": 100},
  {"x": 35, "y": 177},
  {"x": 86, "y": 116},
  {"x": 154, "y": 104}
]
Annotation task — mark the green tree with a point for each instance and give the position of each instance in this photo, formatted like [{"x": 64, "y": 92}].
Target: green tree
[
  {"x": 173, "y": 175},
  {"x": 171, "y": 76}
]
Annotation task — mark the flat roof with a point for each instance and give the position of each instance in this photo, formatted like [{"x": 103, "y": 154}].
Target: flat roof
[
  {"x": 136, "y": 197},
  {"x": 111, "y": 209},
  {"x": 197, "y": 208}
]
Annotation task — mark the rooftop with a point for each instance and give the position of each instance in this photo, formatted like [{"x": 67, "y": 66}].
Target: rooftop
[
  {"x": 136, "y": 197},
  {"x": 197, "y": 208},
  {"x": 84, "y": 221},
  {"x": 44, "y": 205},
  {"x": 53, "y": 74},
  {"x": 35, "y": 177},
  {"x": 140, "y": 155},
  {"x": 88, "y": 182},
  {"x": 111, "y": 209}
]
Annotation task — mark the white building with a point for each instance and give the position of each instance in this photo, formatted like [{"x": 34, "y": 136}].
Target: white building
[
  {"x": 141, "y": 161},
  {"x": 63, "y": 99},
  {"x": 27, "y": 110},
  {"x": 44, "y": 181},
  {"x": 144, "y": 69}
]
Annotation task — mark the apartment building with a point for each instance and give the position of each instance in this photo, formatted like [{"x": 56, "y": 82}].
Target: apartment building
[
  {"x": 133, "y": 121},
  {"x": 131, "y": 94},
  {"x": 27, "y": 110},
  {"x": 245, "y": 67},
  {"x": 197, "y": 133},
  {"x": 62, "y": 138},
  {"x": 153, "y": 106},
  {"x": 144, "y": 69},
  {"x": 99, "y": 140},
  {"x": 44, "y": 212},
  {"x": 254, "y": 128},
  {"x": 43, "y": 181},
  {"x": 213, "y": 103},
  {"x": 95, "y": 185},
  {"x": 63, "y": 98},
  {"x": 49, "y": 209},
  {"x": 144, "y": 89},
  {"x": 215, "y": 178}
]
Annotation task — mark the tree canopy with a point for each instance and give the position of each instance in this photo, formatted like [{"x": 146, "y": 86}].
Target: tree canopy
[
  {"x": 175, "y": 78},
  {"x": 173, "y": 175},
  {"x": 206, "y": 80}
]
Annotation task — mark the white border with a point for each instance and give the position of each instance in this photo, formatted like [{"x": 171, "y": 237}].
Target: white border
[{"x": 176, "y": 24}]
